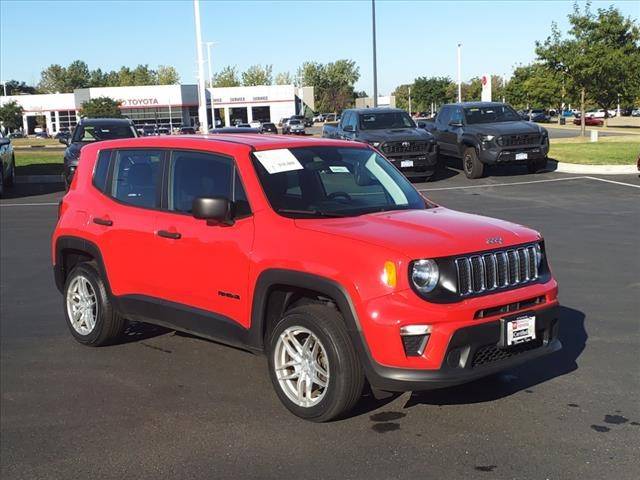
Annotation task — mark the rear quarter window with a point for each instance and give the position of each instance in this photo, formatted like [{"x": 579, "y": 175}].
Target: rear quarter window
[{"x": 101, "y": 171}]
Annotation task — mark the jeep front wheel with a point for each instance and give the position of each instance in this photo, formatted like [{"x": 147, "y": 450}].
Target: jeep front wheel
[
  {"x": 313, "y": 365},
  {"x": 473, "y": 167}
]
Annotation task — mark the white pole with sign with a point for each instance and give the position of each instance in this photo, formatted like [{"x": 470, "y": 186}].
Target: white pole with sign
[{"x": 486, "y": 87}]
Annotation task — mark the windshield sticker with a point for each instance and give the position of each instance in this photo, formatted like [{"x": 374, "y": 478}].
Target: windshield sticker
[
  {"x": 338, "y": 169},
  {"x": 278, "y": 161}
]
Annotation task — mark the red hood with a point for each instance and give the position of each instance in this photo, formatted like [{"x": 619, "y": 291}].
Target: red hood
[{"x": 435, "y": 232}]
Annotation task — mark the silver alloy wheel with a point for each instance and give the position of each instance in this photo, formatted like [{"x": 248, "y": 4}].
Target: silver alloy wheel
[
  {"x": 301, "y": 366},
  {"x": 82, "y": 305}
]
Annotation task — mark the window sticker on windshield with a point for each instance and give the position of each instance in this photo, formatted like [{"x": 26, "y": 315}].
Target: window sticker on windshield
[
  {"x": 338, "y": 169},
  {"x": 278, "y": 161}
]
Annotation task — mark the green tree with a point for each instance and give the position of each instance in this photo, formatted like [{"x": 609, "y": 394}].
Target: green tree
[
  {"x": 11, "y": 115},
  {"x": 227, "y": 77},
  {"x": 14, "y": 87},
  {"x": 257, "y": 75},
  {"x": 53, "y": 79},
  {"x": 401, "y": 93},
  {"x": 167, "y": 75},
  {"x": 333, "y": 83},
  {"x": 101, "y": 107},
  {"x": 77, "y": 75},
  {"x": 283, "y": 78},
  {"x": 472, "y": 90},
  {"x": 428, "y": 90},
  {"x": 600, "y": 55}
]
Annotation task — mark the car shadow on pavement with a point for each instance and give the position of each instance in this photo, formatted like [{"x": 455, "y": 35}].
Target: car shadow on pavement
[
  {"x": 504, "y": 170},
  {"x": 21, "y": 190},
  {"x": 139, "y": 331},
  {"x": 573, "y": 337}
]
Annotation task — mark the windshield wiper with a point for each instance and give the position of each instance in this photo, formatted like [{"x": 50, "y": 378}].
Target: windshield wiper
[{"x": 315, "y": 213}]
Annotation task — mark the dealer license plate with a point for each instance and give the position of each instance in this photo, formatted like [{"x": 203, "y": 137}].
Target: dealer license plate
[
  {"x": 406, "y": 163},
  {"x": 521, "y": 156},
  {"x": 520, "y": 330}
]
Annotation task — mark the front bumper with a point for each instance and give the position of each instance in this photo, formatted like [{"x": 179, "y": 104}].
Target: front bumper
[
  {"x": 495, "y": 155},
  {"x": 423, "y": 164},
  {"x": 472, "y": 353}
]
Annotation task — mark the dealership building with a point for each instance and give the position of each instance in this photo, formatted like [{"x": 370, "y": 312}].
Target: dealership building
[{"x": 167, "y": 105}]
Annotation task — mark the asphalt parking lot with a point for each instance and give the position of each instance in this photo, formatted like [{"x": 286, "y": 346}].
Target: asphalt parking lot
[{"x": 167, "y": 405}]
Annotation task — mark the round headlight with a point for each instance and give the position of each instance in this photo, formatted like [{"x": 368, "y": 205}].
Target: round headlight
[{"x": 425, "y": 275}]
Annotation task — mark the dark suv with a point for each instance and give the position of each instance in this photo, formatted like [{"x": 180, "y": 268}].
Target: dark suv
[
  {"x": 91, "y": 130},
  {"x": 489, "y": 133}
]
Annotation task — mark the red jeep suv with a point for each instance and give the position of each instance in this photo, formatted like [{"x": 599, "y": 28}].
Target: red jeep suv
[{"x": 317, "y": 252}]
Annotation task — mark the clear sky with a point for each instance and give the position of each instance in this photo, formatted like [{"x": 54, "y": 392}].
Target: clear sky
[{"x": 414, "y": 37}]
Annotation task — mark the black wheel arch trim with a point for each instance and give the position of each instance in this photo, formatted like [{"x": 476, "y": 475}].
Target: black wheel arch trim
[{"x": 80, "y": 245}]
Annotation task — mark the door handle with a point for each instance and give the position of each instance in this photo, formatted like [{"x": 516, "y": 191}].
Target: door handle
[
  {"x": 105, "y": 222},
  {"x": 171, "y": 235}
]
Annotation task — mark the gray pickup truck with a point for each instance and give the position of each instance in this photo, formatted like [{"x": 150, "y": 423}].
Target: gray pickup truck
[
  {"x": 391, "y": 131},
  {"x": 488, "y": 133}
]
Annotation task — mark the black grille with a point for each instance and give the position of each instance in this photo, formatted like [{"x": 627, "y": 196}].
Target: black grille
[
  {"x": 490, "y": 271},
  {"x": 491, "y": 353},
  {"x": 404, "y": 147},
  {"x": 414, "y": 344},
  {"x": 519, "y": 140}
]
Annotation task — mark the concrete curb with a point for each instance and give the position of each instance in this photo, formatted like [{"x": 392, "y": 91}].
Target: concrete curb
[
  {"x": 39, "y": 179},
  {"x": 595, "y": 169}
]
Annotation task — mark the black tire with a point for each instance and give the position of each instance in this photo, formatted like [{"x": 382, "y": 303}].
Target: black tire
[
  {"x": 537, "y": 165},
  {"x": 473, "y": 167},
  {"x": 11, "y": 176},
  {"x": 109, "y": 324},
  {"x": 346, "y": 377}
]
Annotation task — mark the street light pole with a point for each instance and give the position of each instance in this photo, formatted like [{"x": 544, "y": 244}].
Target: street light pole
[
  {"x": 202, "y": 96},
  {"x": 410, "y": 100},
  {"x": 459, "y": 73},
  {"x": 375, "y": 66}
]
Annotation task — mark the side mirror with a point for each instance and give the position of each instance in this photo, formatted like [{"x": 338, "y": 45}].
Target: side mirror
[
  {"x": 422, "y": 125},
  {"x": 64, "y": 140},
  {"x": 348, "y": 128},
  {"x": 213, "y": 210}
]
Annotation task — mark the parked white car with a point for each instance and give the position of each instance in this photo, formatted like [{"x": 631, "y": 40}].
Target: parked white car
[{"x": 600, "y": 113}]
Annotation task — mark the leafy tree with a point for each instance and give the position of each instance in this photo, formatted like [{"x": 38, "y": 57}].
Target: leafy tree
[
  {"x": 258, "y": 75},
  {"x": 472, "y": 90},
  {"x": 11, "y": 115},
  {"x": 536, "y": 85},
  {"x": 167, "y": 75},
  {"x": 53, "y": 79},
  {"x": 227, "y": 77},
  {"x": 600, "y": 55},
  {"x": 428, "y": 90},
  {"x": 402, "y": 97},
  {"x": 14, "y": 87},
  {"x": 77, "y": 75},
  {"x": 101, "y": 107},
  {"x": 283, "y": 78},
  {"x": 333, "y": 83}
]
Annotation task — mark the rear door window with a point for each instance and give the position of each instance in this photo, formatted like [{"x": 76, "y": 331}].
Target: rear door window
[
  {"x": 101, "y": 172},
  {"x": 136, "y": 177}
]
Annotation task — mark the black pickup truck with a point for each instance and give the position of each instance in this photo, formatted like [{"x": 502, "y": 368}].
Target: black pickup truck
[
  {"x": 392, "y": 132},
  {"x": 488, "y": 133}
]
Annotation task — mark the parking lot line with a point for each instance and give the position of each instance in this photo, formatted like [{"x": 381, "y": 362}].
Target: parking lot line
[
  {"x": 508, "y": 184},
  {"x": 27, "y": 204},
  {"x": 613, "y": 181}
]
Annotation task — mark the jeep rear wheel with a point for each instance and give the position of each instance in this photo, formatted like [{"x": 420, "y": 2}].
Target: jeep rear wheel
[
  {"x": 90, "y": 315},
  {"x": 313, "y": 365},
  {"x": 473, "y": 167}
]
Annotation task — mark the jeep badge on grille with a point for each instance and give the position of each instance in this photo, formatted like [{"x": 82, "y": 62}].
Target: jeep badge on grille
[{"x": 494, "y": 241}]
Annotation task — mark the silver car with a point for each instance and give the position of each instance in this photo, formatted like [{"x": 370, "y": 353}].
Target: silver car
[{"x": 293, "y": 126}]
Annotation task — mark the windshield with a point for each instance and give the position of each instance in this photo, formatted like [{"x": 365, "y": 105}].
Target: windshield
[
  {"x": 312, "y": 182},
  {"x": 381, "y": 120},
  {"x": 492, "y": 114},
  {"x": 95, "y": 133}
]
